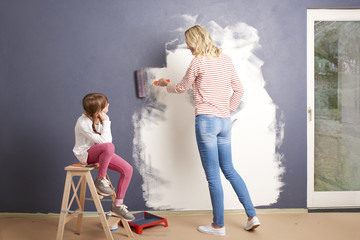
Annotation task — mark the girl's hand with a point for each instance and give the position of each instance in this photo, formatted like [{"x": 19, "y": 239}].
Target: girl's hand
[
  {"x": 162, "y": 82},
  {"x": 103, "y": 116}
]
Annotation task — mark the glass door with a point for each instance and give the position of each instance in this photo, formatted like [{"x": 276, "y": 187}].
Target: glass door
[{"x": 333, "y": 59}]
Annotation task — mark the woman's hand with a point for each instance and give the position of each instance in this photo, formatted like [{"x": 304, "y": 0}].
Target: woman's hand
[{"x": 162, "y": 82}]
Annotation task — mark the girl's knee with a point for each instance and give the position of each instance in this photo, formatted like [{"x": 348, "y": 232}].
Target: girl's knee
[
  {"x": 129, "y": 169},
  {"x": 108, "y": 147}
]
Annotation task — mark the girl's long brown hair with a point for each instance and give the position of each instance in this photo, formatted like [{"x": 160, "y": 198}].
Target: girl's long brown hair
[{"x": 92, "y": 104}]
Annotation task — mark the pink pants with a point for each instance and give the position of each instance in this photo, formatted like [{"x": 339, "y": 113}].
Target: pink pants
[{"x": 104, "y": 155}]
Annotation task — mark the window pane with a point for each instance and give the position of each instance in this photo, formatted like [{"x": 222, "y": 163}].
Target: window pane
[{"x": 337, "y": 106}]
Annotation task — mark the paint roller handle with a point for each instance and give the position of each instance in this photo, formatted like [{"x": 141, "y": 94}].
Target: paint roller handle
[{"x": 162, "y": 82}]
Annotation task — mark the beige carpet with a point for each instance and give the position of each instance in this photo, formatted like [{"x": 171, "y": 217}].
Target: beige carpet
[{"x": 289, "y": 226}]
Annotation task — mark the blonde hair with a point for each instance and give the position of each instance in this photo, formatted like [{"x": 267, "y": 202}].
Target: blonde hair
[
  {"x": 200, "y": 40},
  {"x": 92, "y": 104}
]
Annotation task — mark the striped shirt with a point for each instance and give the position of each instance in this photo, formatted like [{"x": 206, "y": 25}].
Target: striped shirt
[{"x": 217, "y": 87}]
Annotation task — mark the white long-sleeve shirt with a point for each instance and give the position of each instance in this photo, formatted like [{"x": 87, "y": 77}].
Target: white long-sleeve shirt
[{"x": 85, "y": 137}]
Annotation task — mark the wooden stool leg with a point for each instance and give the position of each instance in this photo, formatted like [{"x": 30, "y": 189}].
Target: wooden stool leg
[
  {"x": 99, "y": 207},
  {"x": 127, "y": 228},
  {"x": 115, "y": 220},
  {"x": 64, "y": 206},
  {"x": 113, "y": 195},
  {"x": 82, "y": 203}
]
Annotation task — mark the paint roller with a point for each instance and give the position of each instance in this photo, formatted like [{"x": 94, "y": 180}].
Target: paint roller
[{"x": 141, "y": 79}]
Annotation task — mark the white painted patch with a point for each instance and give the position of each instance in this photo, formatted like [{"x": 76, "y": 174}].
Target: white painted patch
[{"x": 165, "y": 150}]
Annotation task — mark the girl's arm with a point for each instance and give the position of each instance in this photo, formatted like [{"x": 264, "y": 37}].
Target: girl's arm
[{"x": 105, "y": 136}]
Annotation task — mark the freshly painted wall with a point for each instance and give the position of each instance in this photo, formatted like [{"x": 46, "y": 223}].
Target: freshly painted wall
[
  {"x": 53, "y": 52},
  {"x": 170, "y": 166}
]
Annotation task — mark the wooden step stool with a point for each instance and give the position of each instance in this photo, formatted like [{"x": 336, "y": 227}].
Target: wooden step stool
[{"x": 66, "y": 214}]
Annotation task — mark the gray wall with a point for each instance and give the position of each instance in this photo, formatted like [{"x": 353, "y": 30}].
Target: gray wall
[{"x": 53, "y": 52}]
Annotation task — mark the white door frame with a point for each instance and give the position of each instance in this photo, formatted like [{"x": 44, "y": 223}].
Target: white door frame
[{"x": 324, "y": 199}]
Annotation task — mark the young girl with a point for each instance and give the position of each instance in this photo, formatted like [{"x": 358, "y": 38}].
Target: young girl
[
  {"x": 93, "y": 145},
  {"x": 217, "y": 91}
]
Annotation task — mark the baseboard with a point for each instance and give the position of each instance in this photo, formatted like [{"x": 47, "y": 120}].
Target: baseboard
[
  {"x": 329, "y": 210},
  {"x": 28, "y": 215},
  {"x": 228, "y": 212},
  {"x": 163, "y": 213}
]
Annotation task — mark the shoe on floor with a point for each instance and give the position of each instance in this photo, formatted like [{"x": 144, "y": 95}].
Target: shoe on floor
[
  {"x": 103, "y": 187},
  {"x": 121, "y": 211},
  {"x": 208, "y": 229},
  {"x": 252, "y": 224},
  {"x": 115, "y": 226}
]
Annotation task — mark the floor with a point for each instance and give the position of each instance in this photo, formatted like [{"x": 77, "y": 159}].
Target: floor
[{"x": 294, "y": 226}]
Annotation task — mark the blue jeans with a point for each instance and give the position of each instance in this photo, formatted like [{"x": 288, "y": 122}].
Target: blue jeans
[{"x": 213, "y": 136}]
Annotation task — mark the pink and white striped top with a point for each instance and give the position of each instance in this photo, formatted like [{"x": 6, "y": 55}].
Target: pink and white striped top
[{"x": 217, "y": 87}]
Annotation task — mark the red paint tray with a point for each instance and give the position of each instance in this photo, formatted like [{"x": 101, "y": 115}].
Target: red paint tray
[{"x": 145, "y": 219}]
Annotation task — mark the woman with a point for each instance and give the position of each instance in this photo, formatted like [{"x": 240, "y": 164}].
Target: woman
[{"x": 217, "y": 91}]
